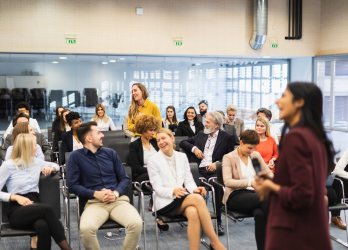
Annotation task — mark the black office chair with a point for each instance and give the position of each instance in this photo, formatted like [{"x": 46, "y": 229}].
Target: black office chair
[
  {"x": 49, "y": 193},
  {"x": 119, "y": 145},
  {"x": 181, "y": 218},
  {"x": 178, "y": 139},
  {"x": 235, "y": 216},
  {"x": 61, "y": 156},
  {"x": 49, "y": 135},
  {"x": 108, "y": 137}
]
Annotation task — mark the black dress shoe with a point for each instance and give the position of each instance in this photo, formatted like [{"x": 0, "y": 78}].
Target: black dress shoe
[{"x": 220, "y": 229}]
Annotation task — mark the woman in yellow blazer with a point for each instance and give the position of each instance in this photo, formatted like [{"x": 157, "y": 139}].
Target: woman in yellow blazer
[
  {"x": 141, "y": 106},
  {"x": 238, "y": 175}
]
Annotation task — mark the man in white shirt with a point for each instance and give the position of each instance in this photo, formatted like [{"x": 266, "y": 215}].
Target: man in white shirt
[
  {"x": 275, "y": 131},
  {"x": 23, "y": 107},
  {"x": 207, "y": 149},
  {"x": 203, "y": 109}
]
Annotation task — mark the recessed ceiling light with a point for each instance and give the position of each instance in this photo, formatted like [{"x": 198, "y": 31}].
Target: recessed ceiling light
[
  {"x": 55, "y": 62},
  {"x": 122, "y": 58},
  {"x": 62, "y": 57},
  {"x": 197, "y": 64},
  {"x": 266, "y": 57},
  {"x": 112, "y": 60},
  {"x": 104, "y": 62}
]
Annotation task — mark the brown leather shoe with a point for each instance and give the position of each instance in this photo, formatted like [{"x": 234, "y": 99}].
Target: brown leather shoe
[{"x": 338, "y": 222}]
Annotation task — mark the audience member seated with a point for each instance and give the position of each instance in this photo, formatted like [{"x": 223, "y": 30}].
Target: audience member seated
[
  {"x": 334, "y": 194},
  {"x": 23, "y": 107},
  {"x": 275, "y": 131},
  {"x": 203, "y": 110},
  {"x": 190, "y": 126},
  {"x": 97, "y": 175},
  {"x": 23, "y": 128},
  {"x": 104, "y": 122},
  {"x": 40, "y": 138},
  {"x": 231, "y": 111},
  {"x": 21, "y": 175},
  {"x": 238, "y": 175},
  {"x": 126, "y": 131},
  {"x": 56, "y": 121},
  {"x": 176, "y": 191},
  {"x": 231, "y": 129},
  {"x": 208, "y": 147},
  {"x": 70, "y": 140},
  {"x": 171, "y": 122},
  {"x": 141, "y": 106},
  {"x": 267, "y": 146},
  {"x": 63, "y": 127}
]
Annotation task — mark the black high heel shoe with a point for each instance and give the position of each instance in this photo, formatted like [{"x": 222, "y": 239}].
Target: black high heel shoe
[{"x": 164, "y": 227}]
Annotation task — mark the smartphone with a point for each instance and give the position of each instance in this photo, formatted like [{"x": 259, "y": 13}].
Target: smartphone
[
  {"x": 187, "y": 193},
  {"x": 256, "y": 165}
]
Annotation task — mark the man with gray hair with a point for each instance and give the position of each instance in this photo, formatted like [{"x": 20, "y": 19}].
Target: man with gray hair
[{"x": 207, "y": 148}]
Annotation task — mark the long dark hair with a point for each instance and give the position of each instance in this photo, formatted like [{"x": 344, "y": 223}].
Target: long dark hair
[
  {"x": 312, "y": 116},
  {"x": 174, "y": 120},
  {"x": 57, "y": 113},
  {"x": 195, "y": 120}
]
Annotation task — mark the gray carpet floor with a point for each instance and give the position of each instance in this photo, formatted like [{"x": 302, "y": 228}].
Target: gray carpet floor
[{"x": 241, "y": 235}]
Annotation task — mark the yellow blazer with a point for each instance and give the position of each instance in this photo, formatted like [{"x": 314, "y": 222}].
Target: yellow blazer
[{"x": 149, "y": 108}]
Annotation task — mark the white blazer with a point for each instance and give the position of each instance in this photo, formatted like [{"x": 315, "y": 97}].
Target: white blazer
[{"x": 163, "y": 181}]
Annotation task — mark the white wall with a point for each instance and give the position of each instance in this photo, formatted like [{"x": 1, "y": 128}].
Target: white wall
[{"x": 301, "y": 69}]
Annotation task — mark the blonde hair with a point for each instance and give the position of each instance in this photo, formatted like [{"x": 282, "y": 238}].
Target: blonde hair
[
  {"x": 134, "y": 107},
  {"x": 96, "y": 117},
  {"x": 23, "y": 150},
  {"x": 168, "y": 132},
  {"x": 231, "y": 108},
  {"x": 264, "y": 120}
]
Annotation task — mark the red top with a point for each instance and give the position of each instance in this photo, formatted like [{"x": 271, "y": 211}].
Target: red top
[{"x": 268, "y": 150}]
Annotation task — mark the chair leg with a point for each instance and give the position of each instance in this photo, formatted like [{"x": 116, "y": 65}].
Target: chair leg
[
  {"x": 143, "y": 212},
  {"x": 67, "y": 204}
]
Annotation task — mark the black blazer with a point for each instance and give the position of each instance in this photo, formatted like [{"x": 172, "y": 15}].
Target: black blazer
[
  {"x": 57, "y": 137},
  {"x": 67, "y": 143},
  {"x": 224, "y": 145},
  {"x": 184, "y": 129},
  {"x": 231, "y": 129},
  {"x": 55, "y": 124},
  {"x": 136, "y": 157}
]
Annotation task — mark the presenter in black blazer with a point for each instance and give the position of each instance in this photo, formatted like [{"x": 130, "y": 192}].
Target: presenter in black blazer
[
  {"x": 190, "y": 126},
  {"x": 208, "y": 148},
  {"x": 70, "y": 142}
]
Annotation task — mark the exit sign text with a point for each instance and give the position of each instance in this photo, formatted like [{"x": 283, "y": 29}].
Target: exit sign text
[
  {"x": 71, "y": 41},
  {"x": 177, "y": 43},
  {"x": 274, "y": 45}
]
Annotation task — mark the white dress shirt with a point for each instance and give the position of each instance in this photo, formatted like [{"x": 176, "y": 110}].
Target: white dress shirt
[
  {"x": 192, "y": 125},
  {"x": 248, "y": 172},
  {"x": 275, "y": 132},
  {"x": 148, "y": 154},
  {"x": 341, "y": 165},
  {"x": 104, "y": 126},
  {"x": 76, "y": 145},
  {"x": 171, "y": 163},
  {"x": 208, "y": 150},
  {"x": 33, "y": 123}
]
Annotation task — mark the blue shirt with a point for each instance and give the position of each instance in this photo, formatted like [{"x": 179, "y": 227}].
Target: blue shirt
[
  {"x": 39, "y": 153},
  {"x": 88, "y": 172},
  {"x": 21, "y": 180}
]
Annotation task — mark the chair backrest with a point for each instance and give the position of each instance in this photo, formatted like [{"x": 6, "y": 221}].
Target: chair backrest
[
  {"x": 126, "y": 156},
  {"x": 195, "y": 172},
  {"x": 66, "y": 165},
  {"x": 119, "y": 145},
  {"x": 129, "y": 192},
  {"x": 108, "y": 137},
  {"x": 49, "y": 134},
  {"x": 178, "y": 139},
  {"x": 219, "y": 173},
  {"x": 53, "y": 144},
  {"x": 60, "y": 150},
  {"x": 118, "y": 133}
]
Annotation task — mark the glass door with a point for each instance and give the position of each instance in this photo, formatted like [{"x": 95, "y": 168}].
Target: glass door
[{"x": 323, "y": 80}]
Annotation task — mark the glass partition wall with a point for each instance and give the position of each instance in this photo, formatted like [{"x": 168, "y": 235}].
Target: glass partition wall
[
  {"x": 331, "y": 75},
  {"x": 79, "y": 82}
]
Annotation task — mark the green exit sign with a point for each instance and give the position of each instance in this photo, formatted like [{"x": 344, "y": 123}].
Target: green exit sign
[
  {"x": 274, "y": 45},
  {"x": 177, "y": 43},
  {"x": 71, "y": 41}
]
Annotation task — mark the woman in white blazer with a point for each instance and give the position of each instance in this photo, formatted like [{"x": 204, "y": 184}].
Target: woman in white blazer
[{"x": 169, "y": 171}]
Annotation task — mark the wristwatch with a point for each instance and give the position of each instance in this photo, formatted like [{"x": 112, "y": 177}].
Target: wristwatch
[{"x": 116, "y": 194}]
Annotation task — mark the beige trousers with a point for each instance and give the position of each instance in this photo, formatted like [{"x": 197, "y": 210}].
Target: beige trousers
[{"x": 96, "y": 213}]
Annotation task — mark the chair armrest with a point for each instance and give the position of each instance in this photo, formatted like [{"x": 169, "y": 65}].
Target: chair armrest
[
  {"x": 343, "y": 195},
  {"x": 47, "y": 156},
  {"x": 138, "y": 189},
  {"x": 149, "y": 187}
]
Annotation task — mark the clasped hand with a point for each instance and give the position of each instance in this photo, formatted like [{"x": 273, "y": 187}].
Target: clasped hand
[{"x": 105, "y": 195}]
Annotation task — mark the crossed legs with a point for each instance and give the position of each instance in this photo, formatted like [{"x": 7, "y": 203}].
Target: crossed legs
[{"x": 196, "y": 211}]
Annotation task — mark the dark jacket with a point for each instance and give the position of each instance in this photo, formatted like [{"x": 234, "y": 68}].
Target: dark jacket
[
  {"x": 297, "y": 215},
  {"x": 231, "y": 129},
  {"x": 57, "y": 137},
  {"x": 184, "y": 129},
  {"x": 40, "y": 138},
  {"x": 224, "y": 145},
  {"x": 136, "y": 157},
  {"x": 55, "y": 124},
  {"x": 67, "y": 144}
]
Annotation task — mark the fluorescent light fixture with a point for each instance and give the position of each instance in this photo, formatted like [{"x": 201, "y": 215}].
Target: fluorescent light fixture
[
  {"x": 112, "y": 60},
  {"x": 62, "y": 57},
  {"x": 266, "y": 57},
  {"x": 122, "y": 58},
  {"x": 104, "y": 62},
  {"x": 55, "y": 62},
  {"x": 197, "y": 64}
]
